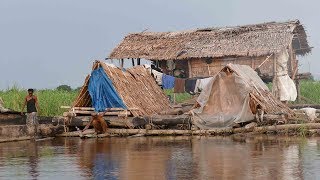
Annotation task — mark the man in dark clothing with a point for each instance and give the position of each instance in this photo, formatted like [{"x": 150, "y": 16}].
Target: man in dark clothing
[{"x": 32, "y": 108}]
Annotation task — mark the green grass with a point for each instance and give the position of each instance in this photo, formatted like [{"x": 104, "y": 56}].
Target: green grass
[
  {"x": 49, "y": 100},
  {"x": 180, "y": 97},
  {"x": 311, "y": 91}
]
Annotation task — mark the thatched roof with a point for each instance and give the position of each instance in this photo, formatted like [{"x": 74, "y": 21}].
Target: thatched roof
[
  {"x": 249, "y": 40},
  {"x": 135, "y": 86}
]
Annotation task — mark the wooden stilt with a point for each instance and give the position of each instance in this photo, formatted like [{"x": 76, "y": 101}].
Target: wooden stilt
[{"x": 121, "y": 63}]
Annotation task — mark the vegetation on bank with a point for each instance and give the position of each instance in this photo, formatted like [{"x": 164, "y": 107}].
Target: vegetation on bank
[{"x": 51, "y": 100}]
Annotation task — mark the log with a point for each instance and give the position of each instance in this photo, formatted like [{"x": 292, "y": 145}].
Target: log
[
  {"x": 219, "y": 131},
  {"x": 299, "y": 106},
  {"x": 287, "y": 127},
  {"x": 175, "y": 111},
  {"x": 169, "y": 120},
  {"x": 80, "y": 121},
  {"x": 15, "y": 139}
]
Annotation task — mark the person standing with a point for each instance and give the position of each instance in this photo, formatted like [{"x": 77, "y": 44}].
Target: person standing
[{"x": 32, "y": 109}]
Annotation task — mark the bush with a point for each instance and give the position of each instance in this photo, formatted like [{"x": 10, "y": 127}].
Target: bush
[{"x": 64, "y": 88}]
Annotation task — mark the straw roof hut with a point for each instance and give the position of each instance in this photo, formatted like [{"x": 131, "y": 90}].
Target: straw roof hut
[
  {"x": 203, "y": 52},
  {"x": 135, "y": 86}
]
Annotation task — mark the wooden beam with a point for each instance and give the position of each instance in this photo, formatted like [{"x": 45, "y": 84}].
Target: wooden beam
[{"x": 189, "y": 68}]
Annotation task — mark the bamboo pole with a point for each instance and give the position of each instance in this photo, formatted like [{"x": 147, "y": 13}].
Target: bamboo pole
[{"x": 132, "y": 60}]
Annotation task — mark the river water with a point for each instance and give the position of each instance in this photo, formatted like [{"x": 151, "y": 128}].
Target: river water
[{"x": 162, "y": 158}]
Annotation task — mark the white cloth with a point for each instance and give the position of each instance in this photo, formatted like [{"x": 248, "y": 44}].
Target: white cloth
[
  {"x": 158, "y": 76},
  {"x": 283, "y": 86},
  {"x": 311, "y": 113},
  {"x": 201, "y": 84}
]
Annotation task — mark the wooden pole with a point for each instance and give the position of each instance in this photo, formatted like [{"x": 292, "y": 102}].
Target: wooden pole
[
  {"x": 189, "y": 69},
  {"x": 121, "y": 63},
  {"x": 297, "y": 80}
]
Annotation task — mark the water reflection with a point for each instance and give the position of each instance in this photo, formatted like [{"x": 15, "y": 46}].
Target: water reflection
[{"x": 162, "y": 158}]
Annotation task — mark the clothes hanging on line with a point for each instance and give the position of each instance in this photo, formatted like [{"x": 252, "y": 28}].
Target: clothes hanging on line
[
  {"x": 201, "y": 83},
  {"x": 190, "y": 85},
  {"x": 167, "y": 81},
  {"x": 157, "y": 76},
  {"x": 179, "y": 84}
]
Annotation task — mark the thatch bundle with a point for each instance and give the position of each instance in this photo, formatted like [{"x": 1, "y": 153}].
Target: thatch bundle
[{"x": 250, "y": 40}]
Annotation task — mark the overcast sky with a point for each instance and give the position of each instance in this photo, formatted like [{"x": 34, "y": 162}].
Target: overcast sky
[{"x": 45, "y": 43}]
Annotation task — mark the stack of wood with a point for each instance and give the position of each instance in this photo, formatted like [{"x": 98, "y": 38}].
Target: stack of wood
[{"x": 88, "y": 111}]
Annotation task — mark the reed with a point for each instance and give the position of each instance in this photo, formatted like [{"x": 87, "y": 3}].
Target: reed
[{"x": 49, "y": 100}]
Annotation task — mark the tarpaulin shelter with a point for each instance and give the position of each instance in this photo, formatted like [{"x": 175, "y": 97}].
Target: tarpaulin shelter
[
  {"x": 132, "y": 89},
  {"x": 232, "y": 96},
  {"x": 103, "y": 94}
]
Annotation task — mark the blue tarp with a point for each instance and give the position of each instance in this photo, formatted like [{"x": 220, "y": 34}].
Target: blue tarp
[{"x": 103, "y": 94}]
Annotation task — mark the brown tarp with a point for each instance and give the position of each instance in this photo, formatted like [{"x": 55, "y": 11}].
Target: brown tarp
[{"x": 225, "y": 100}]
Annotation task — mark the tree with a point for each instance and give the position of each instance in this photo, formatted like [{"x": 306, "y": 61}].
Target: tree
[{"x": 64, "y": 88}]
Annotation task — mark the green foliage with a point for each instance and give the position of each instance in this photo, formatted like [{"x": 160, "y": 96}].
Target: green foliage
[
  {"x": 49, "y": 100},
  {"x": 303, "y": 130},
  {"x": 180, "y": 97},
  {"x": 311, "y": 90},
  {"x": 64, "y": 88}
]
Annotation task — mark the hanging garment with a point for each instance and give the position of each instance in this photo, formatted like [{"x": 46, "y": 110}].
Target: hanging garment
[
  {"x": 190, "y": 85},
  {"x": 179, "y": 85},
  {"x": 103, "y": 94},
  {"x": 201, "y": 83},
  {"x": 167, "y": 81},
  {"x": 157, "y": 76},
  {"x": 283, "y": 86}
]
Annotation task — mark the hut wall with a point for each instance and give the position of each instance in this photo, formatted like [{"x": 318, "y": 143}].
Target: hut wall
[{"x": 199, "y": 67}]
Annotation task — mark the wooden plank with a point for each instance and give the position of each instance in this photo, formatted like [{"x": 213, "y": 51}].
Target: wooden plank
[{"x": 117, "y": 113}]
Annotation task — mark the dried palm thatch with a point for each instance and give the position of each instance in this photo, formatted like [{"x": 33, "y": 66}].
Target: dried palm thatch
[
  {"x": 250, "y": 40},
  {"x": 259, "y": 91},
  {"x": 135, "y": 86}
]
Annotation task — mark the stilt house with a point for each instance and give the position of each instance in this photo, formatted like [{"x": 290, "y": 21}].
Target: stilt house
[{"x": 204, "y": 52}]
